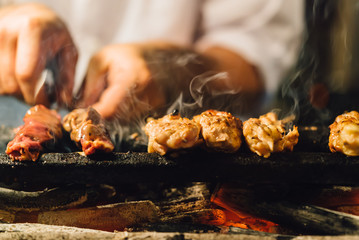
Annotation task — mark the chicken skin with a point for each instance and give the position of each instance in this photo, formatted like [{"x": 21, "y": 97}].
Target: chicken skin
[
  {"x": 41, "y": 130},
  {"x": 87, "y": 129},
  {"x": 344, "y": 134},
  {"x": 171, "y": 132},
  {"x": 267, "y": 134},
  {"x": 221, "y": 131}
]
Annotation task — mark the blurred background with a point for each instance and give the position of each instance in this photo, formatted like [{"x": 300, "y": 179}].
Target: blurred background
[{"x": 325, "y": 82}]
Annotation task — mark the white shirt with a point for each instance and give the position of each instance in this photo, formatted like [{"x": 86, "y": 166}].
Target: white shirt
[{"x": 265, "y": 32}]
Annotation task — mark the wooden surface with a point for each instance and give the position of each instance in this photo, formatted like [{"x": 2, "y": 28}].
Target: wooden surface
[{"x": 296, "y": 167}]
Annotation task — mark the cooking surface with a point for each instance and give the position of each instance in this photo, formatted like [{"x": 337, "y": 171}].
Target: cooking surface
[
  {"x": 296, "y": 167},
  {"x": 311, "y": 162}
]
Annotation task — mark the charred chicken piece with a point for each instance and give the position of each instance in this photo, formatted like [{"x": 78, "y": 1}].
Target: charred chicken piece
[
  {"x": 171, "y": 132},
  {"x": 344, "y": 134},
  {"x": 221, "y": 130},
  {"x": 41, "y": 129},
  {"x": 87, "y": 129},
  {"x": 267, "y": 134}
]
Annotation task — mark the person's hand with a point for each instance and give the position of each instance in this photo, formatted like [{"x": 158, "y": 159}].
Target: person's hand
[
  {"x": 30, "y": 36},
  {"x": 119, "y": 83}
]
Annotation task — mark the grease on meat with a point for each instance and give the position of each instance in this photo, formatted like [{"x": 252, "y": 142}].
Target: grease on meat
[
  {"x": 87, "y": 129},
  {"x": 267, "y": 134},
  {"x": 41, "y": 129},
  {"x": 171, "y": 132},
  {"x": 221, "y": 131},
  {"x": 344, "y": 134}
]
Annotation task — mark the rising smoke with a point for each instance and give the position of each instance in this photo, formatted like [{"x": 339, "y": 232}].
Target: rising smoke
[
  {"x": 316, "y": 90},
  {"x": 184, "y": 77}
]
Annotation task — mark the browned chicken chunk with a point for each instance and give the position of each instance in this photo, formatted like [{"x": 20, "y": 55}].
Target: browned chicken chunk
[
  {"x": 41, "y": 130},
  {"x": 87, "y": 129},
  {"x": 171, "y": 132},
  {"x": 344, "y": 134},
  {"x": 267, "y": 134},
  {"x": 221, "y": 131}
]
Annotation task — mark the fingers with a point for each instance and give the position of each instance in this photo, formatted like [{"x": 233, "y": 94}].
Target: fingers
[
  {"x": 95, "y": 82},
  {"x": 116, "y": 79},
  {"x": 111, "y": 100},
  {"x": 8, "y": 84},
  {"x": 30, "y": 36},
  {"x": 66, "y": 60},
  {"x": 31, "y": 61},
  {"x": 107, "y": 82}
]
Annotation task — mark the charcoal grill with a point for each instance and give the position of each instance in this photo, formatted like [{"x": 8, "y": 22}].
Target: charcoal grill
[
  {"x": 296, "y": 168},
  {"x": 315, "y": 166},
  {"x": 311, "y": 164}
]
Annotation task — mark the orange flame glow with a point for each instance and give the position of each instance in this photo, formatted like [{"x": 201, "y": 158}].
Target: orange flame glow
[{"x": 226, "y": 216}]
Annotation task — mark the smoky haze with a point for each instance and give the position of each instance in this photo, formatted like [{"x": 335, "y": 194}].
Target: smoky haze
[
  {"x": 187, "y": 82},
  {"x": 325, "y": 82}
]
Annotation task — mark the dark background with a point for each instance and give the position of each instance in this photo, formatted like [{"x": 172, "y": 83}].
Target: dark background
[{"x": 325, "y": 82}]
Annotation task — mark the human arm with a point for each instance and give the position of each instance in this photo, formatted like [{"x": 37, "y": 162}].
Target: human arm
[
  {"x": 126, "y": 79},
  {"x": 253, "y": 55}
]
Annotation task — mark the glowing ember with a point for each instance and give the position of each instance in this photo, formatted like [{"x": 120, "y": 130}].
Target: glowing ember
[
  {"x": 342, "y": 199},
  {"x": 226, "y": 216}
]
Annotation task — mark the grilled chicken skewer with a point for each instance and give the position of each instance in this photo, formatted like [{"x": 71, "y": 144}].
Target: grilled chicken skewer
[
  {"x": 344, "y": 134},
  {"x": 87, "y": 129},
  {"x": 171, "y": 132},
  {"x": 267, "y": 134},
  {"x": 41, "y": 130},
  {"x": 221, "y": 131}
]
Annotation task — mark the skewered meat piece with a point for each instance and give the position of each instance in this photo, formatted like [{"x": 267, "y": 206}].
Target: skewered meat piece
[
  {"x": 41, "y": 129},
  {"x": 267, "y": 134},
  {"x": 87, "y": 129},
  {"x": 221, "y": 130},
  {"x": 171, "y": 132},
  {"x": 344, "y": 134}
]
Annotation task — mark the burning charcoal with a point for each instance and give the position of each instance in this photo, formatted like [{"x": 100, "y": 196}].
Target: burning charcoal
[
  {"x": 68, "y": 196},
  {"x": 171, "y": 132},
  {"x": 344, "y": 134},
  {"x": 293, "y": 215},
  {"x": 221, "y": 130},
  {"x": 87, "y": 129},
  {"x": 267, "y": 134},
  {"x": 41, "y": 130}
]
